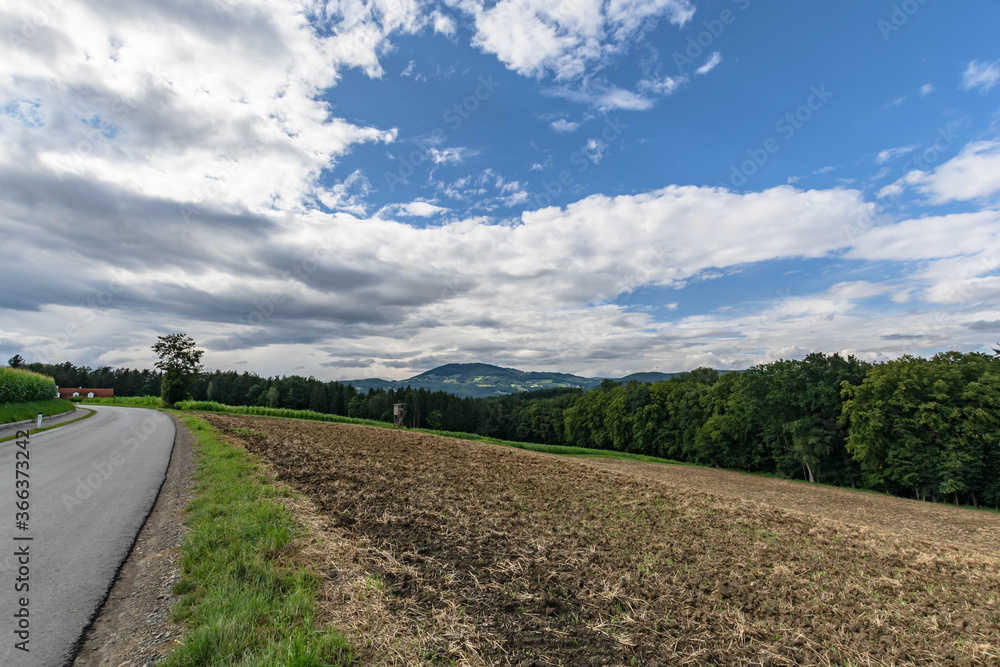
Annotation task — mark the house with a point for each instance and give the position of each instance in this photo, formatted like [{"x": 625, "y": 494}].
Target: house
[{"x": 84, "y": 392}]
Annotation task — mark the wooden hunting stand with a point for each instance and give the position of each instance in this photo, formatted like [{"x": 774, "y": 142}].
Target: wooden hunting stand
[{"x": 398, "y": 412}]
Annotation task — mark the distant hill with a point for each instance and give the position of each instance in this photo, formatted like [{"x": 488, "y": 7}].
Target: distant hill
[{"x": 481, "y": 380}]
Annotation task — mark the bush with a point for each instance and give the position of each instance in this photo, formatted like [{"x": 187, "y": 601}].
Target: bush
[{"x": 17, "y": 386}]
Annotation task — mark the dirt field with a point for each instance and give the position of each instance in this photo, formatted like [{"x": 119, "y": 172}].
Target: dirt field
[{"x": 442, "y": 551}]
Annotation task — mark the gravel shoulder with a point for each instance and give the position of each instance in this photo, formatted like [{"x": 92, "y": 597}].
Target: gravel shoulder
[{"x": 133, "y": 627}]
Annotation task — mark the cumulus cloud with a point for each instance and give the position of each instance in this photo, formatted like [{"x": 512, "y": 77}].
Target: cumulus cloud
[
  {"x": 212, "y": 200},
  {"x": 563, "y": 38},
  {"x": 973, "y": 174},
  {"x": 348, "y": 195},
  {"x": 139, "y": 112}
]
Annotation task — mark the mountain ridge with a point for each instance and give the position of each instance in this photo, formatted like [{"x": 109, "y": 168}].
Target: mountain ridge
[{"x": 482, "y": 380}]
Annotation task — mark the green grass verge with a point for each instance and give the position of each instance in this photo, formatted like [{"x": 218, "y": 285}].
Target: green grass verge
[
  {"x": 15, "y": 412},
  {"x": 35, "y": 431},
  {"x": 241, "y": 605}
]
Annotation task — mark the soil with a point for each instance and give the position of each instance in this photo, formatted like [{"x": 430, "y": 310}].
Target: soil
[
  {"x": 133, "y": 627},
  {"x": 441, "y": 551}
]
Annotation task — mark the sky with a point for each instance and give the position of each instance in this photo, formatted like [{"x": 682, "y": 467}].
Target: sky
[{"x": 371, "y": 189}]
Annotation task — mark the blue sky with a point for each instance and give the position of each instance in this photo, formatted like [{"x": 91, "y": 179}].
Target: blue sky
[{"x": 352, "y": 189}]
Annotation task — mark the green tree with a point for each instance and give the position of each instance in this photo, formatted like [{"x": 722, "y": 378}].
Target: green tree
[
  {"x": 435, "y": 420},
  {"x": 272, "y": 397},
  {"x": 16, "y": 361},
  {"x": 180, "y": 362},
  {"x": 317, "y": 402},
  {"x": 795, "y": 408},
  {"x": 928, "y": 427}
]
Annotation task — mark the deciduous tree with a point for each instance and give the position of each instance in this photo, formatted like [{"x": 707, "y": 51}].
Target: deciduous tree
[{"x": 180, "y": 362}]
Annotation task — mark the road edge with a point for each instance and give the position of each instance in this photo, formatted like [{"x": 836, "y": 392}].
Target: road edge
[{"x": 111, "y": 636}]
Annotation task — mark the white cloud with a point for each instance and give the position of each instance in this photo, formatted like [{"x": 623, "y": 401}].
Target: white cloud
[
  {"x": 930, "y": 238},
  {"x": 251, "y": 144},
  {"x": 665, "y": 86},
  {"x": 926, "y": 89},
  {"x": 418, "y": 209},
  {"x": 563, "y": 38},
  {"x": 563, "y": 125},
  {"x": 594, "y": 150},
  {"x": 408, "y": 70},
  {"x": 981, "y": 75},
  {"x": 454, "y": 155},
  {"x": 603, "y": 96},
  {"x": 443, "y": 24},
  {"x": 973, "y": 174},
  {"x": 893, "y": 153},
  {"x": 712, "y": 62},
  {"x": 249, "y": 133},
  {"x": 348, "y": 195}
]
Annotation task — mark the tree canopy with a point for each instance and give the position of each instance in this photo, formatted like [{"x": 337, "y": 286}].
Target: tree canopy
[{"x": 180, "y": 362}]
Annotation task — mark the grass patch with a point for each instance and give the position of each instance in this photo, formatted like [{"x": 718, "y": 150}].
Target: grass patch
[
  {"x": 16, "y": 412},
  {"x": 561, "y": 450},
  {"x": 241, "y": 605},
  {"x": 35, "y": 431}
]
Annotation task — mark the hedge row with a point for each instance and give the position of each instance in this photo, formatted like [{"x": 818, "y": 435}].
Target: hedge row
[
  {"x": 132, "y": 401},
  {"x": 17, "y": 386}
]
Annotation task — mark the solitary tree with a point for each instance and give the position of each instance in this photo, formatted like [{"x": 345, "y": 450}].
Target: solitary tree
[
  {"x": 180, "y": 363},
  {"x": 16, "y": 361}
]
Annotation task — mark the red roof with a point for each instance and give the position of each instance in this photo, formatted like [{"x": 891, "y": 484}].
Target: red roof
[{"x": 67, "y": 392}]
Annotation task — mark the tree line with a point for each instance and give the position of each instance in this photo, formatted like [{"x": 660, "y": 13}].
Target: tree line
[{"x": 923, "y": 428}]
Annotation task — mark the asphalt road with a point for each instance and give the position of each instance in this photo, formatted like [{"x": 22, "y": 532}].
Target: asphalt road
[{"x": 91, "y": 486}]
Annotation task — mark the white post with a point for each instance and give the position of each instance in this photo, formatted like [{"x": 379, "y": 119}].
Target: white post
[{"x": 39, "y": 420}]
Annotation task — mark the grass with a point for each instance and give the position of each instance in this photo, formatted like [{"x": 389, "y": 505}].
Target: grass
[
  {"x": 34, "y": 431},
  {"x": 15, "y": 412},
  {"x": 241, "y": 604}
]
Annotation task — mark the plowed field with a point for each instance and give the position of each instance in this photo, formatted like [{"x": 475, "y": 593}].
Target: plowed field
[{"x": 444, "y": 551}]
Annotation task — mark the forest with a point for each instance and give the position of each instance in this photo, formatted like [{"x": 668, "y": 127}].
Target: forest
[{"x": 924, "y": 428}]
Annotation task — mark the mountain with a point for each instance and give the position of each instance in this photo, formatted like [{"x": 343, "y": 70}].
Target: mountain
[{"x": 480, "y": 380}]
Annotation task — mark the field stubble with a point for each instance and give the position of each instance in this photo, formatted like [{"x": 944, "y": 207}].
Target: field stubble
[{"x": 444, "y": 551}]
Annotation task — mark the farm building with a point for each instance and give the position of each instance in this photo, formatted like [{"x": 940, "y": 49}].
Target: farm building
[{"x": 84, "y": 392}]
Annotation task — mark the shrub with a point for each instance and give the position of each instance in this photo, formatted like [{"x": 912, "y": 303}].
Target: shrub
[{"x": 18, "y": 386}]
